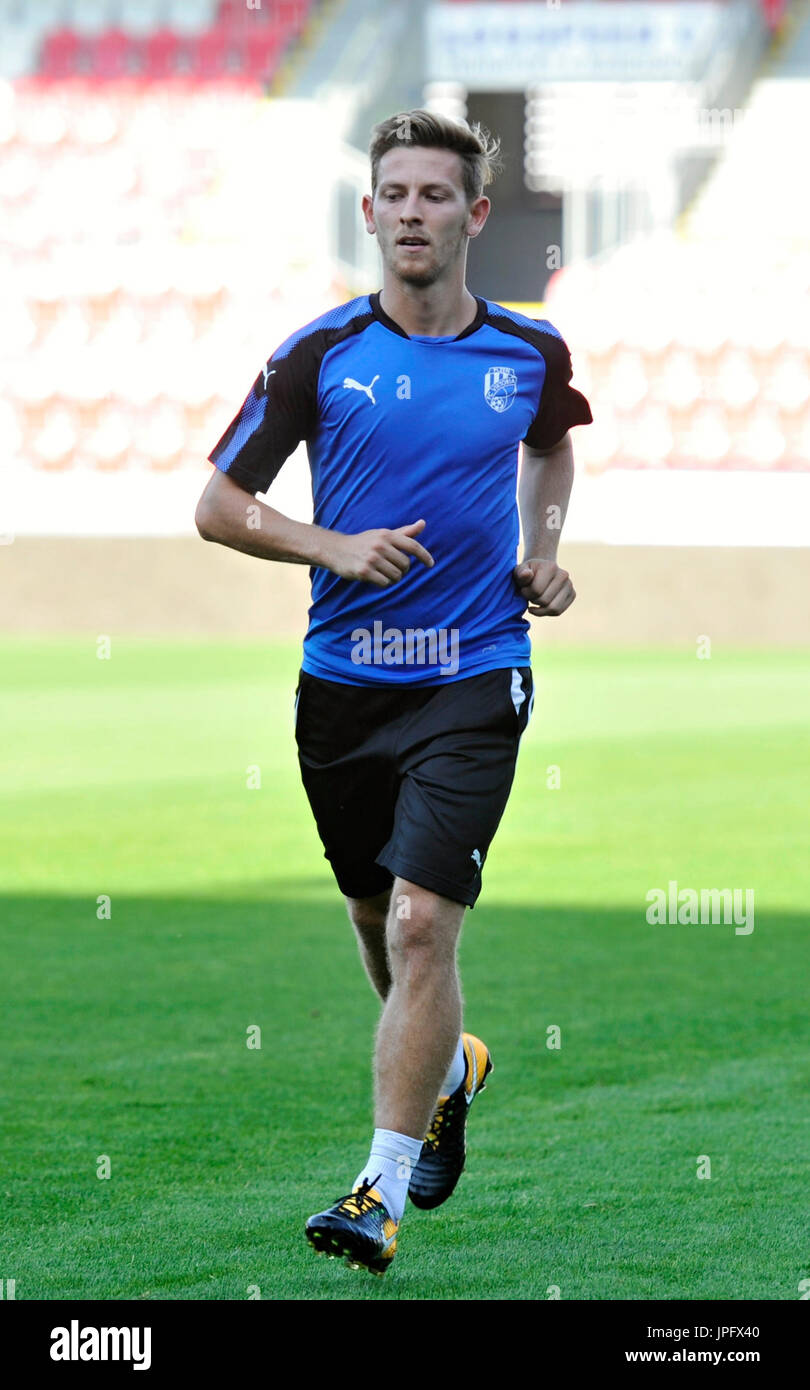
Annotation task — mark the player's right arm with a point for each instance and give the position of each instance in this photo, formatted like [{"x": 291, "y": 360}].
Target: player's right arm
[
  {"x": 278, "y": 413},
  {"x": 232, "y": 516}
]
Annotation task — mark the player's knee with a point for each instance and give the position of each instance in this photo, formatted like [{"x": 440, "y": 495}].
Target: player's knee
[
  {"x": 368, "y": 915},
  {"x": 422, "y": 941},
  {"x": 366, "y": 921}
]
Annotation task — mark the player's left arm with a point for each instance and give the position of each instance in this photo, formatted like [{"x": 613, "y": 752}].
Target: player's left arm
[
  {"x": 546, "y": 478},
  {"x": 545, "y": 484}
]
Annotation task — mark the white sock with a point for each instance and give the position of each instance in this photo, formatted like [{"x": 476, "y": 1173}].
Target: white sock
[
  {"x": 457, "y": 1072},
  {"x": 392, "y": 1159}
]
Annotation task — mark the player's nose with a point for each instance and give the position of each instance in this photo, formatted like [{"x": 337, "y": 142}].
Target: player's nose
[{"x": 410, "y": 211}]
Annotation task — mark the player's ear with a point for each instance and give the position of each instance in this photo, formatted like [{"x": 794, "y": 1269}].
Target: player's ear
[
  {"x": 477, "y": 215},
  {"x": 367, "y": 205}
]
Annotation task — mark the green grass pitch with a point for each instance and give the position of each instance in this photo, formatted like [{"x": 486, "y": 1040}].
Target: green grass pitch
[{"x": 126, "y": 1036}]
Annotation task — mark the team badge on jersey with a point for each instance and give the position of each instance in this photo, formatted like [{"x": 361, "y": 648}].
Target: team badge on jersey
[{"x": 500, "y": 388}]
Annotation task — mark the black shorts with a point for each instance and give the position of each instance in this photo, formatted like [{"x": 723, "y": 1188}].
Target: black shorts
[{"x": 410, "y": 781}]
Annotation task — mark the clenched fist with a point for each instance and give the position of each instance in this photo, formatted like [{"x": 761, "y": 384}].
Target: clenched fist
[{"x": 547, "y": 589}]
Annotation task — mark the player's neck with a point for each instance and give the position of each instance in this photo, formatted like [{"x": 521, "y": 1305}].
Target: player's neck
[{"x": 430, "y": 311}]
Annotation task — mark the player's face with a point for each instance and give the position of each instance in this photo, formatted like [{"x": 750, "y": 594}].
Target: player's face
[{"x": 420, "y": 213}]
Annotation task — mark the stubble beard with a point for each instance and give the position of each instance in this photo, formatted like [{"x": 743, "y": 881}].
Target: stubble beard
[{"x": 427, "y": 275}]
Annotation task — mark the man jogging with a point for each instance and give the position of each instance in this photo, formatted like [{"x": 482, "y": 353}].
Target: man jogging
[{"x": 415, "y": 685}]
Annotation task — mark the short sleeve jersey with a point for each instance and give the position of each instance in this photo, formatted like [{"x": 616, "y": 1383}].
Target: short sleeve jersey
[{"x": 398, "y": 428}]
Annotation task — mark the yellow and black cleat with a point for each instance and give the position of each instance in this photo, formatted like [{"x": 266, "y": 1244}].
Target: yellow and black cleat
[
  {"x": 357, "y": 1229},
  {"x": 444, "y": 1151}
]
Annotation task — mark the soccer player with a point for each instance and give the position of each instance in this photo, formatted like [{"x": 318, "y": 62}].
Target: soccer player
[{"x": 415, "y": 685}]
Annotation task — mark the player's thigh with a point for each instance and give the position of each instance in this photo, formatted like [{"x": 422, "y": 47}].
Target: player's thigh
[
  {"x": 349, "y": 775},
  {"x": 458, "y": 775}
]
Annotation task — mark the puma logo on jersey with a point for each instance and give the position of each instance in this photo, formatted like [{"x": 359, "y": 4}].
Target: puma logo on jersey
[
  {"x": 476, "y": 855},
  {"x": 349, "y": 381}
]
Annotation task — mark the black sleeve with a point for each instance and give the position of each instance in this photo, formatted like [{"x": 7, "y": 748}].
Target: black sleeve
[
  {"x": 561, "y": 406},
  {"x": 276, "y": 415}
]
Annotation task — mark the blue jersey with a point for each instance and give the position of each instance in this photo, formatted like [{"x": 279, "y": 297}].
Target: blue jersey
[{"x": 398, "y": 428}]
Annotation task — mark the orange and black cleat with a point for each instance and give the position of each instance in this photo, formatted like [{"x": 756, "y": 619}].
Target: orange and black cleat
[
  {"x": 357, "y": 1229},
  {"x": 444, "y": 1151}
]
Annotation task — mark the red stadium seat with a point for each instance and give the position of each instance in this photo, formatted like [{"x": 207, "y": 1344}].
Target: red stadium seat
[
  {"x": 288, "y": 14},
  {"x": 262, "y": 54},
  {"x": 213, "y": 53},
  {"x": 161, "y": 51},
  {"x": 232, "y": 11},
  {"x": 280, "y": 15},
  {"x": 59, "y": 54},
  {"x": 114, "y": 54}
]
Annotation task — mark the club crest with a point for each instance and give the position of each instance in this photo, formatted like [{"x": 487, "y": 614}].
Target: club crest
[{"x": 500, "y": 388}]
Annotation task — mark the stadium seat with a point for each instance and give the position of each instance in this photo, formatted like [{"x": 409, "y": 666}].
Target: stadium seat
[
  {"x": 797, "y": 442},
  {"x": 647, "y": 439},
  {"x": 59, "y": 54},
  {"x": 11, "y": 428},
  {"x": 114, "y": 54},
  {"x": 233, "y": 12},
  {"x": 211, "y": 54},
  {"x": 291, "y": 14},
  {"x": 43, "y": 126},
  {"x": 786, "y": 383},
  {"x": 275, "y": 13},
  {"x": 261, "y": 54},
  {"x": 628, "y": 382},
  {"x": 678, "y": 384},
  {"x": 709, "y": 438},
  {"x": 284, "y": 19},
  {"x": 160, "y": 54},
  {"x": 110, "y": 441},
  {"x": 600, "y": 444},
  {"x": 759, "y": 442},
  {"x": 52, "y": 436},
  {"x": 18, "y": 177},
  {"x": 735, "y": 382},
  {"x": 159, "y": 434}
]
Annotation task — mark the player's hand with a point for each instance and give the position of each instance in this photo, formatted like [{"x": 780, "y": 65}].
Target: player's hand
[
  {"x": 546, "y": 588},
  {"x": 378, "y": 557}
]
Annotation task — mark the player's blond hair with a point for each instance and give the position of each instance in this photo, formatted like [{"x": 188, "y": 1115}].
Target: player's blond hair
[{"x": 478, "y": 149}]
